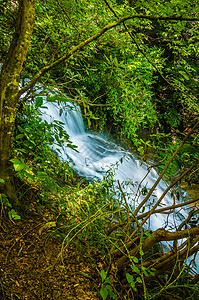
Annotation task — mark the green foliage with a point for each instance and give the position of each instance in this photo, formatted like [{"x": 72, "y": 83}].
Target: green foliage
[
  {"x": 34, "y": 161},
  {"x": 130, "y": 83},
  {"x": 106, "y": 288},
  {"x": 21, "y": 168},
  {"x": 83, "y": 213},
  {"x": 2, "y": 180},
  {"x": 131, "y": 281},
  {"x": 127, "y": 83},
  {"x": 5, "y": 200},
  {"x": 88, "y": 207},
  {"x": 84, "y": 220},
  {"x": 33, "y": 135},
  {"x": 12, "y": 214},
  {"x": 7, "y": 15},
  {"x": 184, "y": 159},
  {"x": 118, "y": 83}
]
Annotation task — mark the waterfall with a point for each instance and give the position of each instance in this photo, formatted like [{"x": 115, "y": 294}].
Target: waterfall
[{"x": 95, "y": 156}]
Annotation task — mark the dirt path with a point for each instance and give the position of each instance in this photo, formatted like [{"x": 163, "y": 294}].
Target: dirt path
[{"x": 30, "y": 268}]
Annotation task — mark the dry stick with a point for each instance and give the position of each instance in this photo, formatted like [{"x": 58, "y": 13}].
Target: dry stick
[
  {"x": 111, "y": 9},
  {"x": 168, "y": 257},
  {"x": 129, "y": 220},
  {"x": 155, "y": 67},
  {"x": 126, "y": 204},
  {"x": 164, "y": 209},
  {"x": 148, "y": 214},
  {"x": 165, "y": 168},
  {"x": 105, "y": 93},
  {"x": 164, "y": 261},
  {"x": 165, "y": 192},
  {"x": 138, "y": 188},
  {"x": 168, "y": 188},
  {"x": 53, "y": 54},
  {"x": 160, "y": 259},
  {"x": 162, "y": 235},
  {"x": 195, "y": 280},
  {"x": 160, "y": 210},
  {"x": 167, "y": 260},
  {"x": 158, "y": 180},
  {"x": 186, "y": 221},
  {"x": 68, "y": 17},
  {"x": 181, "y": 226}
]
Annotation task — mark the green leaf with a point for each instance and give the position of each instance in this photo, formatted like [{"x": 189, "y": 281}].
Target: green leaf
[
  {"x": 139, "y": 279},
  {"x": 53, "y": 98},
  {"x": 30, "y": 176},
  {"x": 135, "y": 269},
  {"x": 18, "y": 167},
  {"x": 144, "y": 270},
  {"x": 103, "y": 275},
  {"x": 107, "y": 280},
  {"x": 42, "y": 175},
  {"x": 153, "y": 269},
  {"x": 135, "y": 259},
  {"x": 109, "y": 287},
  {"x": 141, "y": 252},
  {"x": 19, "y": 136},
  {"x": 112, "y": 295},
  {"x": 38, "y": 101},
  {"x": 152, "y": 273},
  {"x": 103, "y": 292},
  {"x": 142, "y": 239},
  {"x": 130, "y": 280},
  {"x": 2, "y": 180},
  {"x": 5, "y": 200},
  {"x": 13, "y": 215},
  {"x": 15, "y": 161}
]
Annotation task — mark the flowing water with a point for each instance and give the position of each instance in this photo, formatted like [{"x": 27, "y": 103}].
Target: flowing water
[{"x": 96, "y": 156}]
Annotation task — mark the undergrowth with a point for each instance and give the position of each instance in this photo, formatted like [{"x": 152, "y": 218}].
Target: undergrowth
[{"x": 83, "y": 214}]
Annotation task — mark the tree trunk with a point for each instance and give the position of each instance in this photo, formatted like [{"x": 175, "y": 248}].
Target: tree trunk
[{"x": 9, "y": 83}]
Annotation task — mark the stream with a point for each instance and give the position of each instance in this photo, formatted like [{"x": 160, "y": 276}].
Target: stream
[{"x": 98, "y": 156}]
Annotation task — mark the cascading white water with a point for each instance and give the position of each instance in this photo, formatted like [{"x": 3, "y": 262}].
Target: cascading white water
[{"x": 96, "y": 156}]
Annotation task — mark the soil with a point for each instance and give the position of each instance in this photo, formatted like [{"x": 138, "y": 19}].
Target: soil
[{"x": 31, "y": 266}]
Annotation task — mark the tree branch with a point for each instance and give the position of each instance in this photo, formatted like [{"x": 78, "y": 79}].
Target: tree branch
[
  {"x": 165, "y": 168},
  {"x": 160, "y": 235},
  {"x": 93, "y": 38}
]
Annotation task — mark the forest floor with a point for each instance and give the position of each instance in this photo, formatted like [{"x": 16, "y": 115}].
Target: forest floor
[{"x": 31, "y": 266}]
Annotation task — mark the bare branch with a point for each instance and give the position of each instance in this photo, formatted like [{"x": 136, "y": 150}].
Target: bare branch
[
  {"x": 161, "y": 210},
  {"x": 166, "y": 191},
  {"x": 169, "y": 208},
  {"x": 165, "y": 168}
]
